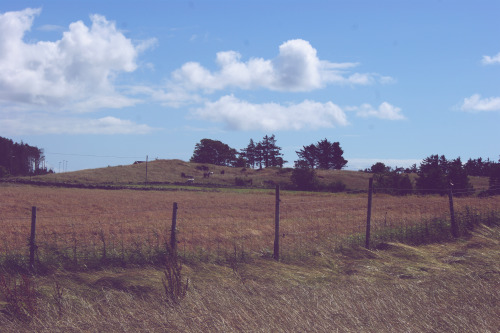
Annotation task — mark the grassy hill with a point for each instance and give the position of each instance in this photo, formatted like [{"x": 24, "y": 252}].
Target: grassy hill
[{"x": 171, "y": 171}]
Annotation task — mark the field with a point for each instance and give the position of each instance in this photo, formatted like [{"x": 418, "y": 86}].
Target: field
[
  {"x": 83, "y": 224},
  {"x": 100, "y": 258}
]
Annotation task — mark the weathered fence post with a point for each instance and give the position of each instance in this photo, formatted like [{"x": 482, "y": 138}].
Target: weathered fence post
[
  {"x": 454, "y": 226},
  {"x": 173, "y": 236},
  {"x": 276, "y": 254},
  {"x": 32, "y": 243},
  {"x": 369, "y": 213}
]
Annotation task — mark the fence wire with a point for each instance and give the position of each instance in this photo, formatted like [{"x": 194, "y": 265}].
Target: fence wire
[{"x": 220, "y": 225}]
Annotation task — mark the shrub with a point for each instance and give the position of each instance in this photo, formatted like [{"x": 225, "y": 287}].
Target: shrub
[
  {"x": 304, "y": 179},
  {"x": 337, "y": 186}
]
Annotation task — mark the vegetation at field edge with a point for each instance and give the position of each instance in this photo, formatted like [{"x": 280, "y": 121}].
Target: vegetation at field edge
[{"x": 446, "y": 287}]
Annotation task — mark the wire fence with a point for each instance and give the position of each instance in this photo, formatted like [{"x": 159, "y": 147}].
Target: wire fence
[{"x": 218, "y": 226}]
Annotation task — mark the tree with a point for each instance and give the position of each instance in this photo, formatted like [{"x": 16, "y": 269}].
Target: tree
[
  {"x": 249, "y": 154},
  {"x": 20, "y": 159},
  {"x": 214, "y": 152},
  {"x": 308, "y": 154},
  {"x": 393, "y": 182},
  {"x": 323, "y": 155},
  {"x": 436, "y": 174},
  {"x": 457, "y": 175},
  {"x": 494, "y": 179},
  {"x": 432, "y": 175},
  {"x": 379, "y": 167},
  {"x": 265, "y": 153}
]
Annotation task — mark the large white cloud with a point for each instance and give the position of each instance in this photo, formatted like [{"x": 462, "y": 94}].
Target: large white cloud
[
  {"x": 296, "y": 68},
  {"x": 77, "y": 71},
  {"x": 241, "y": 115},
  {"x": 475, "y": 104}
]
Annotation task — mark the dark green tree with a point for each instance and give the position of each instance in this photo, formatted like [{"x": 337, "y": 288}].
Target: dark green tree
[
  {"x": 494, "y": 179},
  {"x": 214, "y": 152},
  {"x": 323, "y": 155},
  {"x": 393, "y": 182},
  {"x": 308, "y": 154},
  {"x": 436, "y": 174},
  {"x": 457, "y": 177},
  {"x": 249, "y": 154},
  {"x": 432, "y": 175},
  {"x": 265, "y": 153},
  {"x": 20, "y": 159},
  {"x": 379, "y": 167}
]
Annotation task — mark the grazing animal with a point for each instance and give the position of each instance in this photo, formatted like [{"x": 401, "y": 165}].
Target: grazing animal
[{"x": 190, "y": 181}]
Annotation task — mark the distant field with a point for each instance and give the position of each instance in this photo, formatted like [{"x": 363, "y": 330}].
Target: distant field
[{"x": 89, "y": 222}]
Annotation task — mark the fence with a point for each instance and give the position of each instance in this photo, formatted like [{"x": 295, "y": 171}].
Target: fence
[{"x": 126, "y": 227}]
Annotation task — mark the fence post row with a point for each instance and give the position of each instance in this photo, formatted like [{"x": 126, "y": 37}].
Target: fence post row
[
  {"x": 454, "y": 226},
  {"x": 276, "y": 254},
  {"x": 32, "y": 243},
  {"x": 369, "y": 213},
  {"x": 173, "y": 236}
]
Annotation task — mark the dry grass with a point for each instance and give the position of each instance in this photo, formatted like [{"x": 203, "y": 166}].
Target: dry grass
[
  {"x": 85, "y": 224},
  {"x": 451, "y": 287}
]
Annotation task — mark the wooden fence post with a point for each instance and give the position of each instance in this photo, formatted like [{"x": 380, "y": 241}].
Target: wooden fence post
[
  {"x": 454, "y": 226},
  {"x": 276, "y": 254},
  {"x": 173, "y": 236},
  {"x": 32, "y": 243},
  {"x": 369, "y": 213}
]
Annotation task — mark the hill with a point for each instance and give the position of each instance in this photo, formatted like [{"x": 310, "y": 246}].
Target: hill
[{"x": 177, "y": 172}]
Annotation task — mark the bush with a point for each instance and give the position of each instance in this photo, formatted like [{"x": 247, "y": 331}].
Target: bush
[
  {"x": 304, "y": 179},
  {"x": 337, "y": 186}
]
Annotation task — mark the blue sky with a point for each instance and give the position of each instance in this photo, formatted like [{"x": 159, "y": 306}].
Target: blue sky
[{"x": 98, "y": 83}]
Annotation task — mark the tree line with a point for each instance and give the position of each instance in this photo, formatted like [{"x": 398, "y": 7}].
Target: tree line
[
  {"x": 436, "y": 175},
  {"x": 266, "y": 153},
  {"x": 20, "y": 159}
]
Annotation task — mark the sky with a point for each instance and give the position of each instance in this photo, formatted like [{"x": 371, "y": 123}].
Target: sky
[{"x": 104, "y": 83}]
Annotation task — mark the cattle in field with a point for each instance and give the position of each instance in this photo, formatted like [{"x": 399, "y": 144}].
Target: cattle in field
[{"x": 190, "y": 181}]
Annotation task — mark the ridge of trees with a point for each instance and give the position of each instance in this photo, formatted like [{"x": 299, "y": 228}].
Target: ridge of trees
[
  {"x": 436, "y": 175},
  {"x": 21, "y": 159},
  {"x": 265, "y": 153}
]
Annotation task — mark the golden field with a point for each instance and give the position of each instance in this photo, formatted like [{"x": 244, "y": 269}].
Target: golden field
[{"x": 97, "y": 223}]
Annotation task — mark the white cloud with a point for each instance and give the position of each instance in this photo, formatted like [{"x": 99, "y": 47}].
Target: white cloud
[
  {"x": 296, "y": 68},
  {"x": 77, "y": 70},
  {"x": 43, "y": 124},
  {"x": 487, "y": 60},
  {"x": 475, "y": 104},
  {"x": 241, "y": 115},
  {"x": 384, "y": 111}
]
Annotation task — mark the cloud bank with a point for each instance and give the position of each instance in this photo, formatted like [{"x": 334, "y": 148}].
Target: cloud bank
[
  {"x": 242, "y": 115},
  {"x": 73, "y": 74},
  {"x": 296, "y": 68},
  {"x": 61, "y": 74}
]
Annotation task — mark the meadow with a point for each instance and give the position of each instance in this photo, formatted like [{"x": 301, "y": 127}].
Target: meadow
[
  {"x": 81, "y": 225},
  {"x": 101, "y": 259}
]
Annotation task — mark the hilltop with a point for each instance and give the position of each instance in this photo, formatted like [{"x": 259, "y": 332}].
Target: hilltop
[{"x": 178, "y": 173}]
